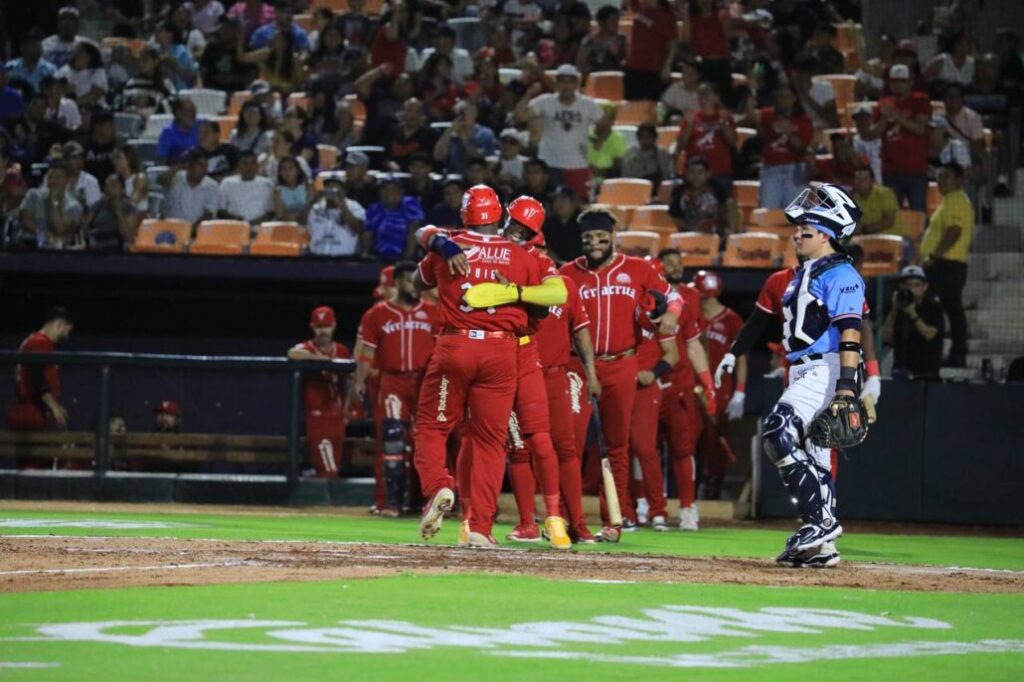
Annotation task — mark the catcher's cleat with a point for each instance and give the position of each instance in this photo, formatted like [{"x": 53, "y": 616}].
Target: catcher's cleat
[
  {"x": 659, "y": 524},
  {"x": 523, "y": 533},
  {"x": 463, "y": 534},
  {"x": 433, "y": 514},
  {"x": 825, "y": 556},
  {"x": 557, "y": 535},
  {"x": 481, "y": 541},
  {"x": 689, "y": 518},
  {"x": 812, "y": 536}
]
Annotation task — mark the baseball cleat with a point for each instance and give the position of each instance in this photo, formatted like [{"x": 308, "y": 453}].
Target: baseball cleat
[
  {"x": 523, "y": 533},
  {"x": 556, "y": 532},
  {"x": 628, "y": 526},
  {"x": 441, "y": 503},
  {"x": 609, "y": 534},
  {"x": 374, "y": 511},
  {"x": 826, "y": 556},
  {"x": 689, "y": 518},
  {"x": 581, "y": 535},
  {"x": 812, "y": 536},
  {"x": 642, "y": 511},
  {"x": 390, "y": 513},
  {"x": 481, "y": 541},
  {"x": 463, "y": 533},
  {"x": 659, "y": 524}
]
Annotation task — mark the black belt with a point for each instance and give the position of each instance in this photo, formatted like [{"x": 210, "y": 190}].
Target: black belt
[{"x": 808, "y": 358}]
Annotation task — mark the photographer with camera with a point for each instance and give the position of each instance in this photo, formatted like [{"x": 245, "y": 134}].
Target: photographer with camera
[
  {"x": 335, "y": 221},
  {"x": 915, "y": 328}
]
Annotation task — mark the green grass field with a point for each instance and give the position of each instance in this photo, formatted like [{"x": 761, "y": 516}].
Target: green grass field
[{"x": 503, "y": 627}]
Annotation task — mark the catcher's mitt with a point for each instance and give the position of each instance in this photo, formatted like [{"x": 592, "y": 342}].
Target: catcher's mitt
[{"x": 843, "y": 424}]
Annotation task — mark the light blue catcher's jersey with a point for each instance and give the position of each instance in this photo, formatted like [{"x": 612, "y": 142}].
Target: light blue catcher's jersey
[{"x": 821, "y": 293}]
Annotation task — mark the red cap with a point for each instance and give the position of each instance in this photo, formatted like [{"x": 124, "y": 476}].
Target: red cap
[
  {"x": 387, "y": 276},
  {"x": 528, "y": 212},
  {"x": 480, "y": 206},
  {"x": 168, "y": 407},
  {"x": 707, "y": 284},
  {"x": 322, "y": 317}
]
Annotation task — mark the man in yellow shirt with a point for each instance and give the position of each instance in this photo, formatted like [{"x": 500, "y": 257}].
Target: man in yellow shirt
[
  {"x": 944, "y": 252},
  {"x": 877, "y": 202}
]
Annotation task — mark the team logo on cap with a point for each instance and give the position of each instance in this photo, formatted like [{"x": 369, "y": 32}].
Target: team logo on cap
[
  {"x": 321, "y": 316},
  {"x": 623, "y": 278}
]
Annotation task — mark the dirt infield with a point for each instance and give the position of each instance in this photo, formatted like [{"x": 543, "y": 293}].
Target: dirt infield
[{"x": 65, "y": 563}]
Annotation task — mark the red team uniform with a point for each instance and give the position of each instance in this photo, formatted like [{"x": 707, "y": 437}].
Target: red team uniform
[
  {"x": 722, "y": 330},
  {"x": 324, "y": 400},
  {"x": 403, "y": 341},
  {"x": 31, "y": 382}
]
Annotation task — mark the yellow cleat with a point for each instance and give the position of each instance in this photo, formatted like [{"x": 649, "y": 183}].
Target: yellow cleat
[
  {"x": 463, "y": 534},
  {"x": 557, "y": 534}
]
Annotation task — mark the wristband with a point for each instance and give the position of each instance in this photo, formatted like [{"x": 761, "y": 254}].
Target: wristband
[
  {"x": 675, "y": 306},
  {"x": 446, "y": 247},
  {"x": 849, "y": 347},
  {"x": 741, "y": 388},
  {"x": 847, "y": 379},
  {"x": 661, "y": 369},
  {"x": 872, "y": 368}
]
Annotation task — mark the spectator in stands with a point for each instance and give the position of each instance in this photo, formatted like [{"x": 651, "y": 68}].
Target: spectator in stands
[
  {"x": 914, "y": 327},
  {"x": 524, "y": 17},
  {"x": 326, "y": 123},
  {"x": 963, "y": 122},
  {"x": 247, "y": 196},
  {"x": 391, "y": 223},
  {"x": 356, "y": 26},
  {"x": 148, "y": 91},
  {"x": 825, "y": 59},
  {"x": 57, "y": 48},
  {"x": 252, "y": 14},
  {"x": 954, "y": 63},
  {"x": 709, "y": 40},
  {"x": 710, "y": 133},
  {"x": 253, "y": 131},
  {"x": 326, "y": 60},
  {"x": 112, "y": 222},
  {"x": 50, "y": 216},
  {"x": 279, "y": 62},
  {"x": 652, "y": 48},
  {"x": 902, "y": 122},
  {"x": 168, "y": 417},
  {"x": 537, "y": 181},
  {"x": 12, "y": 104},
  {"x": 605, "y": 48},
  {"x": 1007, "y": 52},
  {"x": 447, "y": 212},
  {"x": 561, "y": 229},
  {"x": 872, "y": 73},
  {"x": 85, "y": 73},
  {"x": 185, "y": 31},
  {"x": 560, "y": 123},
  {"x": 411, "y": 135},
  {"x": 785, "y": 132},
  {"x": 295, "y": 122},
  {"x": 32, "y": 135},
  {"x": 817, "y": 98},
  {"x": 605, "y": 147},
  {"x": 877, "y": 202},
  {"x": 510, "y": 162},
  {"x": 944, "y": 147},
  {"x": 944, "y": 249},
  {"x": 37, "y": 391},
  {"x": 220, "y": 66},
  {"x": 560, "y": 46},
  {"x": 336, "y": 222},
  {"x": 463, "y": 139},
  {"x": 998, "y": 103},
  {"x": 181, "y": 134},
  {"x": 682, "y": 98},
  {"x": 866, "y": 141},
  {"x": 282, "y": 146},
  {"x": 478, "y": 172},
  {"x": 436, "y": 87},
  {"x": 384, "y": 97},
  {"x": 389, "y": 46},
  {"x": 695, "y": 206},
  {"x": 839, "y": 166},
  {"x": 222, "y": 158},
  {"x": 12, "y": 188},
  {"x": 420, "y": 184},
  {"x": 191, "y": 194},
  {"x": 30, "y": 67},
  {"x": 81, "y": 184},
  {"x": 291, "y": 195},
  {"x": 206, "y": 15},
  {"x": 59, "y": 109},
  {"x": 282, "y": 25},
  {"x": 645, "y": 159},
  {"x": 181, "y": 66},
  {"x": 444, "y": 44},
  {"x": 100, "y": 146},
  {"x": 906, "y": 55},
  {"x": 360, "y": 185},
  {"x": 136, "y": 184}
]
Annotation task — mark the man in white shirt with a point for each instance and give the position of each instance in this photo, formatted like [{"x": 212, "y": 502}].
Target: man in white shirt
[
  {"x": 335, "y": 222},
  {"x": 192, "y": 195},
  {"x": 81, "y": 185},
  {"x": 962, "y": 122},
  {"x": 817, "y": 97},
  {"x": 444, "y": 43},
  {"x": 866, "y": 143},
  {"x": 247, "y": 196},
  {"x": 57, "y": 48},
  {"x": 59, "y": 109},
  {"x": 560, "y": 122}
]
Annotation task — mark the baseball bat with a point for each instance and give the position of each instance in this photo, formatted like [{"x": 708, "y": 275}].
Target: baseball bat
[{"x": 611, "y": 495}]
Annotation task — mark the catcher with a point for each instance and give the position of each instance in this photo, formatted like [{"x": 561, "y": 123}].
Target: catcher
[{"x": 819, "y": 409}]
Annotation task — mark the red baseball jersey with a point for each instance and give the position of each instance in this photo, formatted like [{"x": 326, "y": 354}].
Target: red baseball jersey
[
  {"x": 707, "y": 140},
  {"x": 770, "y": 298},
  {"x": 554, "y": 332},
  {"x": 902, "y": 150},
  {"x": 722, "y": 330},
  {"x": 402, "y": 338},
  {"x": 691, "y": 326},
  {"x": 611, "y": 296},
  {"x": 486, "y": 254},
  {"x": 31, "y": 382},
  {"x": 775, "y": 150},
  {"x": 545, "y": 268},
  {"x": 322, "y": 390}
]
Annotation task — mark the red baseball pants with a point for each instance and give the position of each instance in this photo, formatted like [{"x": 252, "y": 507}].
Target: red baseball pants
[
  {"x": 681, "y": 423},
  {"x": 618, "y": 391},
  {"x": 397, "y": 394},
  {"x": 643, "y": 445},
  {"x": 325, "y": 437}
]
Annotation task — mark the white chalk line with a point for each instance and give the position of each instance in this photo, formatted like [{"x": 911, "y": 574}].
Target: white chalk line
[
  {"x": 114, "y": 569},
  {"x": 30, "y": 665}
]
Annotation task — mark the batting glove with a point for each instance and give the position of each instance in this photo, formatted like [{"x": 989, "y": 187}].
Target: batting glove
[
  {"x": 872, "y": 389},
  {"x": 735, "y": 407},
  {"x": 726, "y": 366}
]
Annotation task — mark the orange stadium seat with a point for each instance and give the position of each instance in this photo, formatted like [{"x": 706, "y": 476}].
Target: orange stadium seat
[
  {"x": 623, "y": 214},
  {"x": 237, "y": 100},
  {"x": 652, "y": 215},
  {"x": 842, "y": 84},
  {"x": 356, "y": 106},
  {"x": 699, "y": 249},
  {"x": 934, "y": 197},
  {"x": 770, "y": 217},
  {"x": 744, "y": 134},
  {"x": 752, "y": 250},
  {"x": 625, "y": 191},
  {"x": 638, "y": 242},
  {"x": 279, "y": 239},
  {"x": 227, "y": 124},
  {"x": 747, "y": 196},
  {"x": 146, "y": 239},
  {"x": 221, "y": 237},
  {"x": 667, "y": 136},
  {"x": 910, "y": 224},
  {"x": 665, "y": 190},
  {"x": 882, "y": 253},
  {"x": 847, "y": 37},
  {"x": 637, "y": 112},
  {"x": 739, "y": 80},
  {"x": 605, "y": 85},
  {"x": 304, "y": 21}
]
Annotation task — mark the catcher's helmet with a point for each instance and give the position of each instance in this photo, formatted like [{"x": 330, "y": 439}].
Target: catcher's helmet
[{"x": 828, "y": 209}]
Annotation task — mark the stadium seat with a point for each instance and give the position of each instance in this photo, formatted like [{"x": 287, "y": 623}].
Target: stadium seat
[
  {"x": 747, "y": 196},
  {"x": 227, "y": 124},
  {"x": 467, "y": 33},
  {"x": 934, "y": 197},
  {"x": 752, "y": 250},
  {"x": 653, "y": 215},
  {"x": 623, "y": 213},
  {"x": 842, "y": 84},
  {"x": 910, "y": 224},
  {"x": 507, "y": 74},
  {"x": 635, "y": 113},
  {"x": 847, "y": 37},
  {"x": 625, "y": 191},
  {"x": 699, "y": 249},
  {"x": 127, "y": 124},
  {"x": 375, "y": 153},
  {"x": 208, "y": 102},
  {"x": 739, "y": 80},
  {"x": 882, "y": 253},
  {"x": 327, "y": 156},
  {"x": 221, "y": 237},
  {"x": 149, "y": 239},
  {"x": 134, "y": 45},
  {"x": 667, "y": 136},
  {"x": 145, "y": 149},
  {"x": 770, "y": 217},
  {"x": 744, "y": 134},
  {"x": 605, "y": 85},
  {"x": 665, "y": 190},
  {"x": 237, "y": 100},
  {"x": 304, "y": 21},
  {"x": 279, "y": 239},
  {"x": 155, "y": 125},
  {"x": 638, "y": 242},
  {"x": 628, "y": 132}
]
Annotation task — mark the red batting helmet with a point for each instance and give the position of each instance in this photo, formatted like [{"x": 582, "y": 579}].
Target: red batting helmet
[
  {"x": 707, "y": 284},
  {"x": 528, "y": 212},
  {"x": 480, "y": 206}
]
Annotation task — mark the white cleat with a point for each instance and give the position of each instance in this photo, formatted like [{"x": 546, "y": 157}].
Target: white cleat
[
  {"x": 659, "y": 524},
  {"x": 441, "y": 503},
  {"x": 689, "y": 519}
]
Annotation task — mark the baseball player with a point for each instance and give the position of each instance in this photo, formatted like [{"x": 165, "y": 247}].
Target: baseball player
[
  {"x": 37, "y": 387},
  {"x": 723, "y": 325},
  {"x": 359, "y": 409},
  {"x": 612, "y": 286},
  {"x": 473, "y": 366},
  {"x": 822, "y": 308},
  {"x": 397, "y": 339},
  {"x": 685, "y": 403},
  {"x": 322, "y": 394}
]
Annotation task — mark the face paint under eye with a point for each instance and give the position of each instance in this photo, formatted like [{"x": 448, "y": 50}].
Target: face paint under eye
[{"x": 591, "y": 242}]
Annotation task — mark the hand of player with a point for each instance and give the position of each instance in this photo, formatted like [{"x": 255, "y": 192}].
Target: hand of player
[
  {"x": 872, "y": 389},
  {"x": 668, "y": 324},
  {"x": 726, "y": 366},
  {"x": 499, "y": 277},
  {"x": 645, "y": 377},
  {"x": 358, "y": 392},
  {"x": 593, "y": 386},
  {"x": 735, "y": 407},
  {"x": 60, "y": 416},
  {"x": 458, "y": 265}
]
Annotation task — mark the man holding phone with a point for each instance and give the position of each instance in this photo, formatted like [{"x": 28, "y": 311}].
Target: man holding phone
[{"x": 335, "y": 221}]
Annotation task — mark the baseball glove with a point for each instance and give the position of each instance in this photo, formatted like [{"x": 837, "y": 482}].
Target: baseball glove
[{"x": 843, "y": 424}]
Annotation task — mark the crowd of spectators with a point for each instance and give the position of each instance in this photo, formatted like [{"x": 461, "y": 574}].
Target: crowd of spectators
[{"x": 457, "y": 93}]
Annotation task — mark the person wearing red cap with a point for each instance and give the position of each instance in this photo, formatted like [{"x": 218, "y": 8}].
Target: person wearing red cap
[
  {"x": 397, "y": 339},
  {"x": 474, "y": 364},
  {"x": 385, "y": 291},
  {"x": 902, "y": 121},
  {"x": 168, "y": 417},
  {"x": 723, "y": 326},
  {"x": 612, "y": 286},
  {"x": 323, "y": 395}
]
